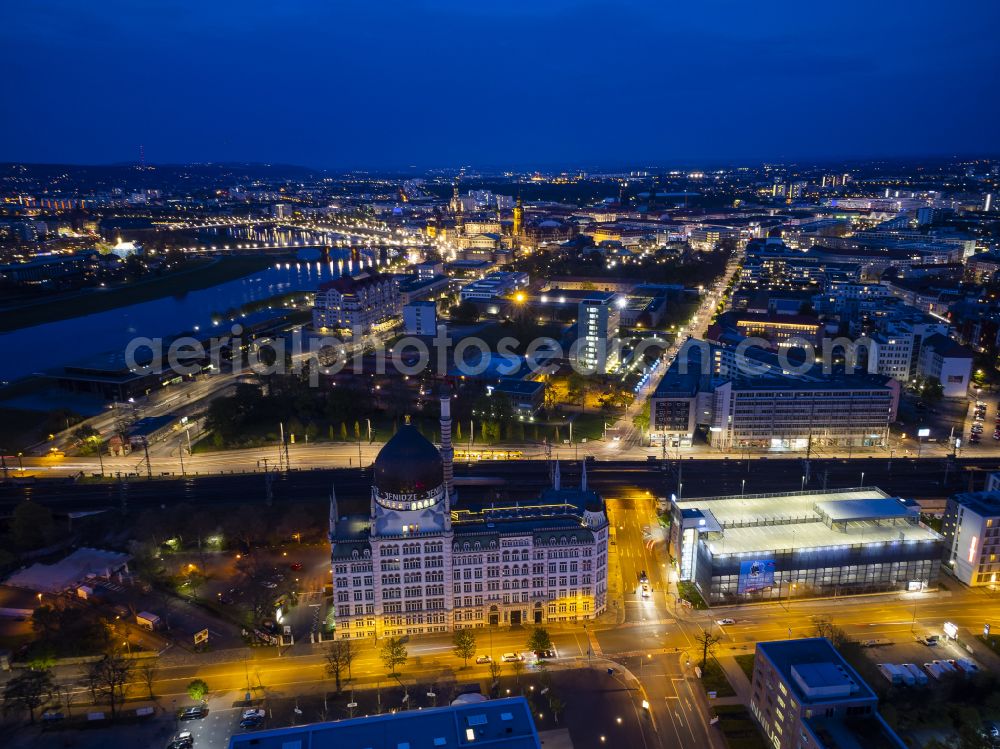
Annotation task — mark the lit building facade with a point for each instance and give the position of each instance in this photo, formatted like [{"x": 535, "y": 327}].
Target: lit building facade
[
  {"x": 418, "y": 563},
  {"x": 971, "y": 529},
  {"x": 753, "y": 547},
  {"x": 362, "y": 303},
  {"x": 598, "y": 320},
  {"x": 806, "y": 696}
]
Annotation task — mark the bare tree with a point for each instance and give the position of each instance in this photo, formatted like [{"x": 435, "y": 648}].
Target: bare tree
[
  {"x": 495, "y": 670},
  {"x": 518, "y": 668},
  {"x": 824, "y": 627},
  {"x": 708, "y": 641},
  {"x": 338, "y": 659},
  {"x": 147, "y": 672},
  {"x": 109, "y": 678},
  {"x": 28, "y": 692}
]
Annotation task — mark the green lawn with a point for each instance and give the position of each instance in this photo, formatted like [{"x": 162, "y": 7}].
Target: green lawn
[
  {"x": 739, "y": 728},
  {"x": 198, "y": 274},
  {"x": 690, "y": 593},
  {"x": 713, "y": 679},
  {"x": 746, "y": 663}
]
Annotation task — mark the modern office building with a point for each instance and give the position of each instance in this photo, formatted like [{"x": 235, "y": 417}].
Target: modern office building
[
  {"x": 949, "y": 363},
  {"x": 598, "y": 319},
  {"x": 362, "y": 303},
  {"x": 802, "y": 544},
  {"x": 494, "y": 286},
  {"x": 783, "y": 413},
  {"x": 756, "y": 399},
  {"x": 420, "y": 318},
  {"x": 971, "y": 529},
  {"x": 419, "y": 562},
  {"x": 499, "y": 723},
  {"x": 806, "y": 696}
]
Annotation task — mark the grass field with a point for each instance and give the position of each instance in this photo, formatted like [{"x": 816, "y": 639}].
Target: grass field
[
  {"x": 739, "y": 728},
  {"x": 200, "y": 274},
  {"x": 746, "y": 663},
  {"x": 713, "y": 679}
]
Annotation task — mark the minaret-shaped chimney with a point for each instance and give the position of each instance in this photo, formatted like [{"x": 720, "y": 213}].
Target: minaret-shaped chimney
[
  {"x": 556, "y": 479},
  {"x": 583, "y": 477},
  {"x": 333, "y": 513},
  {"x": 447, "y": 451}
]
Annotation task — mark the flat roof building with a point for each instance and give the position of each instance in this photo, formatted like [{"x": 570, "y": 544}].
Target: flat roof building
[
  {"x": 802, "y": 544},
  {"x": 971, "y": 529},
  {"x": 503, "y": 723},
  {"x": 806, "y": 696}
]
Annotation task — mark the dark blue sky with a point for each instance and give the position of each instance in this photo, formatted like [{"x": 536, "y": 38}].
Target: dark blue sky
[{"x": 335, "y": 83}]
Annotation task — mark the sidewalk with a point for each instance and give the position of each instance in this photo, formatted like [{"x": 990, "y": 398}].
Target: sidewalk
[{"x": 737, "y": 679}]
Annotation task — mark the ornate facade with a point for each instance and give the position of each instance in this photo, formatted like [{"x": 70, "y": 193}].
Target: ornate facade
[{"x": 420, "y": 563}]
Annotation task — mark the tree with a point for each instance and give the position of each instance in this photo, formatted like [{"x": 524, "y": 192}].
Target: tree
[
  {"x": 109, "y": 678},
  {"x": 826, "y": 628},
  {"x": 28, "y": 691},
  {"x": 495, "y": 670},
  {"x": 343, "y": 432},
  {"x": 338, "y": 658},
  {"x": 518, "y": 668},
  {"x": 556, "y": 706},
  {"x": 197, "y": 689},
  {"x": 464, "y": 643},
  {"x": 539, "y": 639},
  {"x": 393, "y": 654},
  {"x": 147, "y": 673},
  {"x": 357, "y": 430},
  {"x": 708, "y": 641}
]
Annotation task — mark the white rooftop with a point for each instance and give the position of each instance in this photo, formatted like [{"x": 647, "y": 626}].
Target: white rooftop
[
  {"x": 79, "y": 567},
  {"x": 813, "y": 535},
  {"x": 798, "y": 520},
  {"x": 756, "y": 507}
]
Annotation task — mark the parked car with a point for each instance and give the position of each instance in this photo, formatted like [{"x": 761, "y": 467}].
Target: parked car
[
  {"x": 193, "y": 713},
  {"x": 183, "y": 740},
  {"x": 930, "y": 641},
  {"x": 511, "y": 657},
  {"x": 483, "y": 659},
  {"x": 253, "y": 712},
  {"x": 550, "y": 653},
  {"x": 251, "y": 722}
]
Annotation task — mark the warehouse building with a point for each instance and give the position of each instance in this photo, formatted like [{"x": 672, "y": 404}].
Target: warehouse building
[{"x": 802, "y": 544}]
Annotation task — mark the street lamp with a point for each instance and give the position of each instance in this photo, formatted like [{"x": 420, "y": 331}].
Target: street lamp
[{"x": 862, "y": 478}]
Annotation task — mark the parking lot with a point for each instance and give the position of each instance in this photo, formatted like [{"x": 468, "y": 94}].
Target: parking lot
[{"x": 911, "y": 650}]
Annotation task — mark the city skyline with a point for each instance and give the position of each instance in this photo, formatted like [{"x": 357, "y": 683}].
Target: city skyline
[{"x": 442, "y": 83}]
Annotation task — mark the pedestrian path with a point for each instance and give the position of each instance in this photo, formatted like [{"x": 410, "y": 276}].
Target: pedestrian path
[{"x": 737, "y": 678}]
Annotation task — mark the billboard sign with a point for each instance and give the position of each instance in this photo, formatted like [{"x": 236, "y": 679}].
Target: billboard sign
[{"x": 755, "y": 574}]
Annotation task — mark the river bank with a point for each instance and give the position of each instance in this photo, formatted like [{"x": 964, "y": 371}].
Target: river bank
[{"x": 199, "y": 274}]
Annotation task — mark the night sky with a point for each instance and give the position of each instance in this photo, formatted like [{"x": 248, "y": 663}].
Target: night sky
[{"x": 522, "y": 83}]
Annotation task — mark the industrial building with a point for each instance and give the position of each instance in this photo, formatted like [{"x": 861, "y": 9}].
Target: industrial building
[{"x": 802, "y": 544}]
